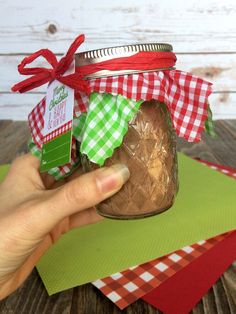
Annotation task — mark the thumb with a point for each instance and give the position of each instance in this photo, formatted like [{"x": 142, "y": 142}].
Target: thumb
[{"x": 84, "y": 192}]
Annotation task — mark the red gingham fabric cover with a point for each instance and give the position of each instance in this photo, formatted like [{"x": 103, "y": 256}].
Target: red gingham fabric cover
[
  {"x": 185, "y": 95},
  {"x": 36, "y": 123}
]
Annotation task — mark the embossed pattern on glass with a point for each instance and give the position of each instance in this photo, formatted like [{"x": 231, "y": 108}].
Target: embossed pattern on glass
[{"x": 149, "y": 150}]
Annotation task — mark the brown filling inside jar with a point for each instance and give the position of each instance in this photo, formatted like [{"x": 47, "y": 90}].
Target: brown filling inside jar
[{"x": 149, "y": 151}]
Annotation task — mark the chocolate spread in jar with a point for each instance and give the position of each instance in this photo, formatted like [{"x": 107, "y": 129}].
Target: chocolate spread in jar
[{"x": 149, "y": 151}]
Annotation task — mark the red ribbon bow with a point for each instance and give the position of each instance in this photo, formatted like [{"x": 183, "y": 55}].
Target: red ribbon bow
[{"x": 44, "y": 75}]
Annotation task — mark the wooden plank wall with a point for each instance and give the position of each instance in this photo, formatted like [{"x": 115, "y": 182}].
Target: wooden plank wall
[{"x": 202, "y": 32}]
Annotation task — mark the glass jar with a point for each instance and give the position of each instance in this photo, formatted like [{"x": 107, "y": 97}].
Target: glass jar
[{"x": 148, "y": 149}]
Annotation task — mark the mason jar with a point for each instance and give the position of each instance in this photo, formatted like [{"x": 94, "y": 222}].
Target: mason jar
[{"x": 148, "y": 148}]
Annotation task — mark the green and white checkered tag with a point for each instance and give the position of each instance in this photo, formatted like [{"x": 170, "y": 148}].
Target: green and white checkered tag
[{"x": 106, "y": 124}]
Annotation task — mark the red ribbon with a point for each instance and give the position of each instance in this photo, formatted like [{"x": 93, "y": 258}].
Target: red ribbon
[
  {"x": 44, "y": 75},
  {"x": 141, "y": 61}
]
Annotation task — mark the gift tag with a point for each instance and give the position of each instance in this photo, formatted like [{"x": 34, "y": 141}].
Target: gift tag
[{"x": 58, "y": 118}]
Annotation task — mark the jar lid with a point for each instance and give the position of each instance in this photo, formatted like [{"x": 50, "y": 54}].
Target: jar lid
[{"x": 104, "y": 54}]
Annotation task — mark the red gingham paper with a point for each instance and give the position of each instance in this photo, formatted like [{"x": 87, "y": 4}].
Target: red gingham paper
[
  {"x": 126, "y": 287},
  {"x": 231, "y": 172}
]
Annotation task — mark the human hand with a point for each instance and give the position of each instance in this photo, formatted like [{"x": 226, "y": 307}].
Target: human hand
[{"x": 35, "y": 211}]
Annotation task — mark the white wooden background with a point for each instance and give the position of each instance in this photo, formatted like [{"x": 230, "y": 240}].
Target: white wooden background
[{"x": 203, "y": 33}]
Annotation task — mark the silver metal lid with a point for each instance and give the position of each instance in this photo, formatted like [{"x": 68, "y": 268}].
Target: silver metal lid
[{"x": 104, "y": 54}]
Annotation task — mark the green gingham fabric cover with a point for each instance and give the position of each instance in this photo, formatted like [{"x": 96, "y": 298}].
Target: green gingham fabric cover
[
  {"x": 209, "y": 126},
  {"x": 106, "y": 124}
]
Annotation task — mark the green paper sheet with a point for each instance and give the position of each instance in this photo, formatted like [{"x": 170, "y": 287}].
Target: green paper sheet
[{"x": 205, "y": 207}]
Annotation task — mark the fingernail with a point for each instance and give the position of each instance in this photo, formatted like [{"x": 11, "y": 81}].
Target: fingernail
[{"x": 112, "y": 178}]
